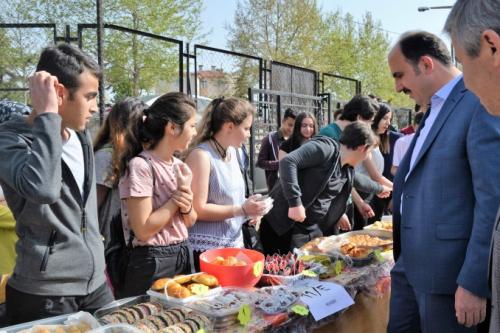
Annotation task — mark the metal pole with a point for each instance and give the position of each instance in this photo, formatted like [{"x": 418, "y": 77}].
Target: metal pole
[
  {"x": 188, "y": 79},
  {"x": 181, "y": 68},
  {"x": 252, "y": 143},
  {"x": 195, "y": 75},
  {"x": 424, "y": 9},
  {"x": 278, "y": 111},
  {"x": 100, "y": 60}
]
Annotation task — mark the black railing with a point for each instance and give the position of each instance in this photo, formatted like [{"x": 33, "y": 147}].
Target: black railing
[{"x": 270, "y": 107}]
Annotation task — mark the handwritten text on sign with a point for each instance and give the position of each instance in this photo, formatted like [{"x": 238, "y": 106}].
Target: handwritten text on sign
[{"x": 325, "y": 298}]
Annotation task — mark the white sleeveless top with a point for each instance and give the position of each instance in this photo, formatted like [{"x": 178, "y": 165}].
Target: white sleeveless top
[
  {"x": 378, "y": 160},
  {"x": 226, "y": 186}
]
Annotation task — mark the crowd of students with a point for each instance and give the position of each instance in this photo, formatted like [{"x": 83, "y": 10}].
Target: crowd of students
[
  {"x": 168, "y": 188},
  {"x": 174, "y": 189}
]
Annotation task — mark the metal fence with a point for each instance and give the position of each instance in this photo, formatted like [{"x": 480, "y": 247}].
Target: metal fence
[
  {"x": 20, "y": 45},
  {"x": 270, "y": 106},
  {"x": 219, "y": 72},
  {"x": 205, "y": 73},
  {"x": 341, "y": 88}
]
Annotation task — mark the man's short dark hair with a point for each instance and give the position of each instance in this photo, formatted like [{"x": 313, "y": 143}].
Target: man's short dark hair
[
  {"x": 357, "y": 134},
  {"x": 67, "y": 62},
  {"x": 289, "y": 113},
  {"x": 416, "y": 44},
  {"x": 359, "y": 105},
  {"x": 418, "y": 117}
]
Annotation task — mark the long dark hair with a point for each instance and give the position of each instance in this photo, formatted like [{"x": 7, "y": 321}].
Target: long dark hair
[
  {"x": 218, "y": 112},
  {"x": 360, "y": 105},
  {"x": 123, "y": 113},
  {"x": 296, "y": 139},
  {"x": 147, "y": 132},
  {"x": 385, "y": 146}
]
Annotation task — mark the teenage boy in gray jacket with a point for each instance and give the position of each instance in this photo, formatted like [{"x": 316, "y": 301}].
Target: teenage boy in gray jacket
[
  {"x": 46, "y": 172},
  {"x": 315, "y": 183}
]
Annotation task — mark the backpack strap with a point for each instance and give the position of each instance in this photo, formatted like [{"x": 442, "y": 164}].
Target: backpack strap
[{"x": 148, "y": 160}]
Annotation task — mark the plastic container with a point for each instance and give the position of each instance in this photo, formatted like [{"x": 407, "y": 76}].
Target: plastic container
[
  {"x": 120, "y": 304},
  {"x": 116, "y": 328},
  {"x": 128, "y": 302},
  {"x": 224, "y": 306},
  {"x": 277, "y": 280},
  {"x": 236, "y": 276},
  {"x": 182, "y": 301},
  {"x": 66, "y": 319},
  {"x": 175, "y": 300},
  {"x": 277, "y": 299}
]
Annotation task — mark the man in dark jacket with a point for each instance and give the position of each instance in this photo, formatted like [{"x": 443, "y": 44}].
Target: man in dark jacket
[
  {"x": 46, "y": 172},
  {"x": 315, "y": 182}
]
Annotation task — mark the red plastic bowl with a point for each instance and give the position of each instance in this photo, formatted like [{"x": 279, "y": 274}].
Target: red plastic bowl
[{"x": 235, "y": 276}]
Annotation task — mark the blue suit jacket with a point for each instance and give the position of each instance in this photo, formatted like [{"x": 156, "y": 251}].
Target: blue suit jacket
[{"x": 450, "y": 199}]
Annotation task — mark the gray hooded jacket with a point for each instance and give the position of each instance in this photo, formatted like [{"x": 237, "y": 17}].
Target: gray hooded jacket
[{"x": 60, "y": 251}]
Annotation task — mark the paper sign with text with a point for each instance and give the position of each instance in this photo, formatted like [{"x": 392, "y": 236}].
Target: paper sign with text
[{"x": 325, "y": 298}]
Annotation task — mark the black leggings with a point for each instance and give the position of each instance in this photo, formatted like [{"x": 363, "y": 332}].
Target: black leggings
[{"x": 149, "y": 263}]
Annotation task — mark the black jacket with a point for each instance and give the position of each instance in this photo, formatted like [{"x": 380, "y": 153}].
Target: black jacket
[{"x": 304, "y": 176}]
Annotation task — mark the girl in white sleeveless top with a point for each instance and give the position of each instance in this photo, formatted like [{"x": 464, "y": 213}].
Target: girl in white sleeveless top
[{"x": 218, "y": 185}]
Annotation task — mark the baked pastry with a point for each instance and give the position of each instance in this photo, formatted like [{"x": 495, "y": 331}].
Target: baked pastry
[
  {"x": 206, "y": 279},
  {"x": 197, "y": 288},
  {"x": 197, "y": 321},
  {"x": 179, "y": 313},
  {"x": 167, "y": 318},
  {"x": 181, "y": 279},
  {"x": 174, "y": 289},
  {"x": 144, "y": 327},
  {"x": 159, "y": 285},
  {"x": 354, "y": 251},
  {"x": 172, "y": 329}
]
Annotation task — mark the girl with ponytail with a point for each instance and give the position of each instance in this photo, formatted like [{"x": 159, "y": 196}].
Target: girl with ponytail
[
  {"x": 155, "y": 188},
  {"x": 218, "y": 184}
]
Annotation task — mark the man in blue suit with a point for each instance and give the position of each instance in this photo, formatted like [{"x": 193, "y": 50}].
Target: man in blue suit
[{"x": 445, "y": 196}]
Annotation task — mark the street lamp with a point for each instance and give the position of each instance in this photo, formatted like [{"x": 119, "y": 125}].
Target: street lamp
[{"x": 424, "y": 9}]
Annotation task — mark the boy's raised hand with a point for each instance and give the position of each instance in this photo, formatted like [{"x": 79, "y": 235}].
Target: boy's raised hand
[{"x": 43, "y": 91}]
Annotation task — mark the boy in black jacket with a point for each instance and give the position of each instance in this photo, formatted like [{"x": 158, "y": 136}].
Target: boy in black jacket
[{"x": 315, "y": 182}]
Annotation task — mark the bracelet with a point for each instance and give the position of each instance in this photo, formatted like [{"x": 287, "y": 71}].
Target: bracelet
[{"x": 188, "y": 212}]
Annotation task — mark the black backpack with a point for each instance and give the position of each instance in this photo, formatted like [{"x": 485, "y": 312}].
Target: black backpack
[{"x": 118, "y": 250}]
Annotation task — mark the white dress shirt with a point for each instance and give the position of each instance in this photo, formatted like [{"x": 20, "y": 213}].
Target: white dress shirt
[{"x": 437, "y": 102}]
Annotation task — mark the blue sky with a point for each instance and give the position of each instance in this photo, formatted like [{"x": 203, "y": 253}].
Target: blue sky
[{"x": 396, "y": 16}]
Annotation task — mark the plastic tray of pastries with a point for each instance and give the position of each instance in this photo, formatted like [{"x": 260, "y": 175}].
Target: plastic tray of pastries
[
  {"x": 224, "y": 306},
  {"x": 150, "y": 314},
  {"x": 189, "y": 288},
  {"x": 355, "y": 247}
]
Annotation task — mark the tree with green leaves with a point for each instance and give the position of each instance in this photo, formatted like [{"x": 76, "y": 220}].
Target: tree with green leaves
[
  {"x": 134, "y": 65},
  {"x": 299, "y": 33},
  {"x": 279, "y": 30}
]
